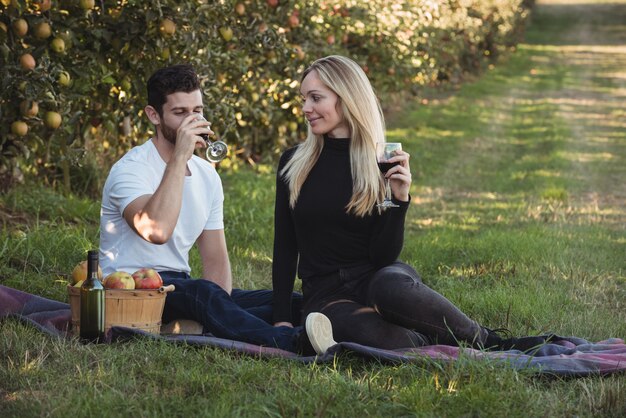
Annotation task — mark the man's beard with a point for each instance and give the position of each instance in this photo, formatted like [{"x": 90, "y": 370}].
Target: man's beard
[{"x": 168, "y": 133}]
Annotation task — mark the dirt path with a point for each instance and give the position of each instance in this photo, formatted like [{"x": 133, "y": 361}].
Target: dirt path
[
  {"x": 556, "y": 110},
  {"x": 592, "y": 46}
]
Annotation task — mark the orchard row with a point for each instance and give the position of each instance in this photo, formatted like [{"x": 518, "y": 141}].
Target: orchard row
[{"x": 73, "y": 72}]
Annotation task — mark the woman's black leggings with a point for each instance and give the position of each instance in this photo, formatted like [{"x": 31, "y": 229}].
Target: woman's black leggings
[{"x": 389, "y": 308}]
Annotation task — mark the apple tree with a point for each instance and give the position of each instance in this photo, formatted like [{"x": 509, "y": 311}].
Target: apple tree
[{"x": 73, "y": 72}]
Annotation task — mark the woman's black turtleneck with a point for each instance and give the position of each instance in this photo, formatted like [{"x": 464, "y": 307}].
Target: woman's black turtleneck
[{"x": 318, "y": 236}]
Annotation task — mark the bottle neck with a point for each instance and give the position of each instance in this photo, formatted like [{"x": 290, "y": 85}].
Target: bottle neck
[{"x": 92, "y": 265}]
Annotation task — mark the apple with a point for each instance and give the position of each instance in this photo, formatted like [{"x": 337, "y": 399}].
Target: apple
[
  {"x": 42, "y": 5},
  {"x": 240, "y": 9},
  {"x": 52, "y": 119},
  {"x": 297, "y": 49},
  {"x": 64, "y": 78},
  {"x": 293, "y": 21},
  {"x": 20, "y": 27},
  {"x": 119, "y": 280},
  {"x": 58, "y": 45},
  {"x": 147, "y": 278},
  {"x": 29, "y": 108},
  {"x": 27, "y": 62},
  {"x": 42, "y": 30},
  {"x": 87, "y": 4},
  {"x": 227, "y": 33},
  {"x": 80, "y": 272},
  {"x": 19, "y": 128},
  {"x": 167, "y": 27},
  {"x": 272, "y": 3},
  {"x": 262, "y": 27}
]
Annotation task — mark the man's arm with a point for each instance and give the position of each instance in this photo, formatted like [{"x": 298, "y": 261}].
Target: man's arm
[
  {"x": 153, "y": 217},
  {"x": 214, "y": 256}
]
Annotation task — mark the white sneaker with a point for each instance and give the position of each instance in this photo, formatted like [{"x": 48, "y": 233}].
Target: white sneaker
[{"x": 320, "y": 332}]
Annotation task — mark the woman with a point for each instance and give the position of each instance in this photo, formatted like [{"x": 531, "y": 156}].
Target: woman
[{"x": 345, "y": 249}]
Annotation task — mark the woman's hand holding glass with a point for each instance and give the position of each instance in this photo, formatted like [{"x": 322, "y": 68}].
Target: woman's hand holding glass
[{"x": 397, "y": 172}]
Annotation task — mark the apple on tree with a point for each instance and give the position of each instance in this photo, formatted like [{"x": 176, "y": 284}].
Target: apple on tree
[
  {"x": 147, "y": 278},
  {"x": 119, "y": 280}
]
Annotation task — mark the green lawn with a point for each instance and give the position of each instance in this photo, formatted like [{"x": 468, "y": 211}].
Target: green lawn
[{"x": 518, "y": 215}]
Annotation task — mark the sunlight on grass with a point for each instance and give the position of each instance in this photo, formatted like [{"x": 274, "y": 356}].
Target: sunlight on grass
[{"x": 587, "y": 157}]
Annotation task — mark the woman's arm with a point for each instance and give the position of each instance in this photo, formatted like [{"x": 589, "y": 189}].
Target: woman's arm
[
  {"x": 387, "y": 238},
  {"x": 285, "y": 259}
]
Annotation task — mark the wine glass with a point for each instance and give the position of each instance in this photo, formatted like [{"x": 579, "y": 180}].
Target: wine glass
[
  {"x": 215, "y": 150},
  {"x": 385, "y": 151}
]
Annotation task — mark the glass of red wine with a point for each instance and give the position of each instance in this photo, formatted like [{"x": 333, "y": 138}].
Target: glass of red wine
[
  {"x": 215, "y": 150},
  {"x": 385, "y": 151}
]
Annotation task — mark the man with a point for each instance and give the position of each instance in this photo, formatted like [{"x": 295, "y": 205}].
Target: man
[{"x": 160, "y": 199}]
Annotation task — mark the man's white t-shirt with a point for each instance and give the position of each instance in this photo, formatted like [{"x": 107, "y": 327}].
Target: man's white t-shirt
[{"x": 139, "y": 173}]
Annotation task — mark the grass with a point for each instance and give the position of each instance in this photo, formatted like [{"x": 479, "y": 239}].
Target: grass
[{"x": 518, "y": 216}]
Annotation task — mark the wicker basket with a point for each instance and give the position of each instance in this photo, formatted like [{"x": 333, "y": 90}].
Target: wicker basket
[{"x": 140, "y": 308}]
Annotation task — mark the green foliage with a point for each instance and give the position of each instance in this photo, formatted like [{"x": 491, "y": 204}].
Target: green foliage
[{"x": 249, "y": 53}]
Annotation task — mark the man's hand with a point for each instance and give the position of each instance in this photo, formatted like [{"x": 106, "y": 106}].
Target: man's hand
[{"x": 188, "y": 136}]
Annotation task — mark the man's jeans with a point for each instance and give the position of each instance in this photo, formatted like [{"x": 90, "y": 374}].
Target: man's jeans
[{"x": 245, "y": 315}]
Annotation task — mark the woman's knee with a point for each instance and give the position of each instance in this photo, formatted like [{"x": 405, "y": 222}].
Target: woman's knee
[{"x": 393, "y": 280}]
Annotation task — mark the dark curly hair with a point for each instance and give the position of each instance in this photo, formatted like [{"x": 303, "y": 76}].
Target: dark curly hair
[{"x": 168, "y": 80}]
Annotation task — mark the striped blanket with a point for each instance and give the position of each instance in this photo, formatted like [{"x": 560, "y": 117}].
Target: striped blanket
[{"x": 563, "y": 356}]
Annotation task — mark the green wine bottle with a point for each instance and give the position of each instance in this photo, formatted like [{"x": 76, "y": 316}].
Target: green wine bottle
[{"x": 92, "y": 303}]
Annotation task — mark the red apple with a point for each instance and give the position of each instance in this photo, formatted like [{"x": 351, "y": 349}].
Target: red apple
[
  {"x": 119, "y": 280},
  {"x": 293, "y": 21},
  {"x": 147, "y": 278}
]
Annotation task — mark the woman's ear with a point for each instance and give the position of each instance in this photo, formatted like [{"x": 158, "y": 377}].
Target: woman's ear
[{"x": 153, "y": 115}]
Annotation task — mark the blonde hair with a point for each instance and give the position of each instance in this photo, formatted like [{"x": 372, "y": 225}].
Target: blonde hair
[{"x": 364, "y": 117}]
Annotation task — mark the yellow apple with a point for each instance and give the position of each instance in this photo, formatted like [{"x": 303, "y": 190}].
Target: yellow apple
[
  {"x": 64, "y": 78},
  {"x": 20, "y": 27},
  {"x": 80, "y": 272},
  {"x": 58, "y": 45},
  {"x": 87, "y": 4},
  {"x": 19, "y": 128},
  {"x": 226, "y": 32},
  {"x": 42, "y": 30},
  {"x": 167, "y": 27},
  {"x": 52, "y": 120}
]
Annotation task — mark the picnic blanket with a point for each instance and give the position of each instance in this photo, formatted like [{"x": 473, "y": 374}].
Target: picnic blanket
[{"x": 563, "y": 356}]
